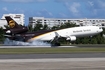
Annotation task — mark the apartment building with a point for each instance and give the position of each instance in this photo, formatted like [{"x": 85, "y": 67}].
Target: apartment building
[{"x": 57, "y": 21}]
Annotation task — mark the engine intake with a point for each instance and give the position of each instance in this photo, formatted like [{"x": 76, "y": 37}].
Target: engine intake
[{"x": 71, "y": 38}]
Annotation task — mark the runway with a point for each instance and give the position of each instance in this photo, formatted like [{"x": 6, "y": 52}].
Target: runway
[
  {"x": 53, "y": 64},
  {"x": 51, "y": 60},
  {"x": 44, "y": 56},
  {"x": 61, "y": 61},
  {"x": 71, "y": 61}
]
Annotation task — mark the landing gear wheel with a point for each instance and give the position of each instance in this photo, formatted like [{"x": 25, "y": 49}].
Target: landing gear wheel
[{"x": 56, "y": 44}]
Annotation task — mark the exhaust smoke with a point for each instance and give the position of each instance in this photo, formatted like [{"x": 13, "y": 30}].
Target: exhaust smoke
[{"x": 9, "y": 42}]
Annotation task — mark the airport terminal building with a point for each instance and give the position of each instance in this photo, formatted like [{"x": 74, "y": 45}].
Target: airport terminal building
[
  {"x": 57, "y": 21},
  {"x": 19, "y": 18}
]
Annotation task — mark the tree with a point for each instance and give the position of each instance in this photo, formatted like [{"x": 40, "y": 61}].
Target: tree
[
  {"x": 6, "y": 26},
  {"x": 67, "y": 25},
  {"x": 55, "y": 28},
  {"x": 93, "y": 41},
  {"x": 45, "y": 27},
  {"x": 30, "y": 28},
  {"x": 1, "y": 35},
  {"x": 38, "y": 26}
]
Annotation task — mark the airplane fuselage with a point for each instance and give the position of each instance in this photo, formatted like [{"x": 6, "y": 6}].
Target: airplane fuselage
[{"x": 69, "y": 33}]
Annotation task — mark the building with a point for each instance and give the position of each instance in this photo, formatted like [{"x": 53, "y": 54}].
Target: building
[
  {"x": 19, "y": 18},
  {"x": 56, "y": 21}
]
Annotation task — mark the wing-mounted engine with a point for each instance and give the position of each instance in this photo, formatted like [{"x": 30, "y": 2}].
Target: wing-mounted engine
[{"x": 71, "y": 38}]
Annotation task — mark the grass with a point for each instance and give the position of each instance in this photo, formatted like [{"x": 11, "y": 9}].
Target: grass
[{"x": 48, "y": 50}]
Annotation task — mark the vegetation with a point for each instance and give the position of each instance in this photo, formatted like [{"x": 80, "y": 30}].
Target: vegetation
[
  {"x": 49, "y": 50},
  {"x": 1, "y": 35},
  {"x": 97, "y": 39}
]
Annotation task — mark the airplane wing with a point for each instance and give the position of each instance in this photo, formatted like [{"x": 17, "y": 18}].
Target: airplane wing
[
  {"x": 55, "y": 40},
  {"x": 56, "y": 37}
]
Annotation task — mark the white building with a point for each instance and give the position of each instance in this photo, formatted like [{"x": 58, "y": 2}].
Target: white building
[
  {"x": 19, "y": 18},
  {"x": 56, "y": 21}
]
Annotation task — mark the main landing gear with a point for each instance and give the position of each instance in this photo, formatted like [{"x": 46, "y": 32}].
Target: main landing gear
[{"x": 55, "y": 44}]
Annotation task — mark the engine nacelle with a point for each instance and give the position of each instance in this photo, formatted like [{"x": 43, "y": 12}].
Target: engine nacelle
[{"x": 71, "y": 38}]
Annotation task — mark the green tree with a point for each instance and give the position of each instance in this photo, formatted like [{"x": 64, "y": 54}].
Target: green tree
[
  {"x": 1, "y": 35},
  {"x": 38, "y": 26},
  {"x": 67, "y": 25},
  {"x": 86, "y": 40},
  {"x": 55, "y": 27},
  {"x": 6, "y": 26},
  {"x": 45, "y": 27},
  {"x": 30, "y": 28},
  {"x": 93, "y": 41}
]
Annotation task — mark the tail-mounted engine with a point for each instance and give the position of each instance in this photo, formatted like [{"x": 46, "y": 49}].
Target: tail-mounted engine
[{"x": 16, "y": 31}]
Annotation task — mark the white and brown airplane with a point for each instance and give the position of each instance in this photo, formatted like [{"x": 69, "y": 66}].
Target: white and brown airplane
[{"x": 20, "y": 33}]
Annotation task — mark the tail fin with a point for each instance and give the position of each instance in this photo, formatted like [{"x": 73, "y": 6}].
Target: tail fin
[
  {"x": 14, "y": 28},
  {"x": 11, "y": 22}
]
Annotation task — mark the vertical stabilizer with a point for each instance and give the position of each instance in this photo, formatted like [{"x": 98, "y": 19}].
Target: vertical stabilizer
[
  {"x": 14, "y": 28},
  {"x": 11, "y": 22}
]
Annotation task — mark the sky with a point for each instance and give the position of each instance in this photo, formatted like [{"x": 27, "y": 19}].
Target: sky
[{"x": 54, "y": 8}]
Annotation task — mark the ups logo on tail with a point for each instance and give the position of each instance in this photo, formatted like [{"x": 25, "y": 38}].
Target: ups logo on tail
[{"x": 12, "y": 23}]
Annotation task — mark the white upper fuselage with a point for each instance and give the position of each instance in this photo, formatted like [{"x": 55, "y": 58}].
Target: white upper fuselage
[{"x": 68, "y": 32}]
